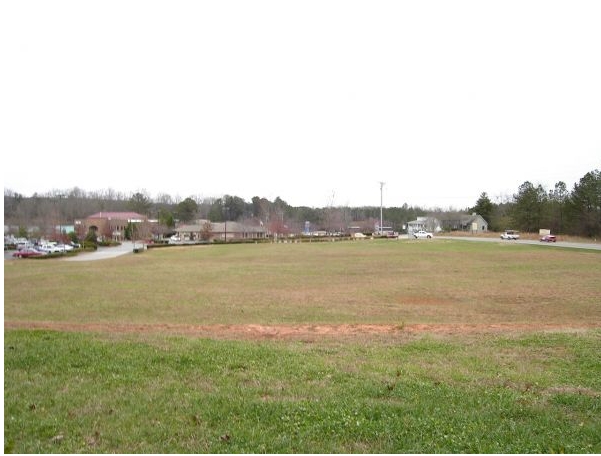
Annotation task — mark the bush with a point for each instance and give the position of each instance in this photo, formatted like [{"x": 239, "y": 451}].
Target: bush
[
  {"x": 110, "y": 243},
  {"x": 89, "y": 245}
]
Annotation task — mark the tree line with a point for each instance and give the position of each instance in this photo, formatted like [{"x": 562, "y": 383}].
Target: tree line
[
  {"x": 532, "y": 207},
  {"x": 576, "y": 212}
]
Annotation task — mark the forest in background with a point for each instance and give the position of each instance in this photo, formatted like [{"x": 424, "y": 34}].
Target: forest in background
[{"x": 563, "y": 211}]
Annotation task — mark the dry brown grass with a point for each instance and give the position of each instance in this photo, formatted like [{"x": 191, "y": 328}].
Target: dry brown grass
[{"x": 390, "y": 285}]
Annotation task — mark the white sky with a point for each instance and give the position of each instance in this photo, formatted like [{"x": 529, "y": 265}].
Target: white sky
[{"x": 312, "y": 101}]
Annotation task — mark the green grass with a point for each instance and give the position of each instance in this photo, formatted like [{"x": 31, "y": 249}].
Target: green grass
[
  {"x": 78, "y": 393},
  {"x": 526, "y": 391}
]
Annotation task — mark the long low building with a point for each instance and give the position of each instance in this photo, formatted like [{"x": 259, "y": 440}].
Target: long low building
[
  {"x": 451, "y": 222},
  {"x": 205, "y": 230}
]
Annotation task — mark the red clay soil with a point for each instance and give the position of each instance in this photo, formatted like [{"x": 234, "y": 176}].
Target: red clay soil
[{"x": 294, "y": 332}]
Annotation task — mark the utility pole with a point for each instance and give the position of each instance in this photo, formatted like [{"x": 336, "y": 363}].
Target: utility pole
[
  {"x": 225, "y": 210},
  {"x": 381, "y": 218},
  {"x": 60, "y": 223}
]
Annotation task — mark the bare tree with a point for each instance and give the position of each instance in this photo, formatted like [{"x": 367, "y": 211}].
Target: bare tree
[{"x": 206, "y": 232}]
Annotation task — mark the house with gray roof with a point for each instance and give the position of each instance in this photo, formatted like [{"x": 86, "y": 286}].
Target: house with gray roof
[{"x": 473, "y": 223}]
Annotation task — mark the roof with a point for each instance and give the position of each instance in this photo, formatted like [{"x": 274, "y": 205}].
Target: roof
[
  {"x": 236, "y": 227},
  {"x": 192, "y": 228},
  {"x": 463, "y": 219},
  {"x": 118, "y": 215},
  {"x": 221, "y": 227},
  {"x": 422, "y": 220},
  {"x": 467, "y": 218},
  {"x": 471, "y": 218}
]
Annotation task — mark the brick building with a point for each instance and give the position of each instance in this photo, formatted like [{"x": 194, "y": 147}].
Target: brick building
[{"x": 111, "y": 225}]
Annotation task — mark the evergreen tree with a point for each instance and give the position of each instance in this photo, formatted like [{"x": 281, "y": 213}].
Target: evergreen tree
[
  {"x": 528, "y": 209},
  {"x": 166, "y": 218},
  {"x": 140, "y": 203},
  {"x": 186, "y": 210},
  {"x": 585, "y": 205},
  {"x": 484, "y": 207},
  {"x": 558, "y": 198}
]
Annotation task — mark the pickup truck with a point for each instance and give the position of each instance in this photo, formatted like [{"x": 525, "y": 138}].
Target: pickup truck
[{"x": 510, "y": 235}]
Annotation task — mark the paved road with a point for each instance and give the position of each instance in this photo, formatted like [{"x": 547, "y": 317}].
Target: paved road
[{"x": 574, "y": 245}]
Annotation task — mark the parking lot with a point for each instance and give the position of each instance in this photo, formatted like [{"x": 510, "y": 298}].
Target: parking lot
[{"x": 101, "y": 254}]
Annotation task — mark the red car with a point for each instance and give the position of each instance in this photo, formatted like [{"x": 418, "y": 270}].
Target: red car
[
  {"x": 548, "y": 238},
  {"x": 27, "y": 253}
]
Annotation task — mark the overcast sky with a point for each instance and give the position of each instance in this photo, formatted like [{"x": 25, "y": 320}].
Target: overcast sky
[{"x": 313, "y": 101}]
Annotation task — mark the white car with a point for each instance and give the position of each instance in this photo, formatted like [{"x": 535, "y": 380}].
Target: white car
[
  {"x": 53, "y": 247},
  {"x": 421, "y": 234},
  {"x": 50, "y": 248},
  {"x": 510, "y": 235}
]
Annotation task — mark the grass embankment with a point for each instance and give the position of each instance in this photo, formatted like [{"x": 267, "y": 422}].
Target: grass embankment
[{"x": 523, "y": 392}]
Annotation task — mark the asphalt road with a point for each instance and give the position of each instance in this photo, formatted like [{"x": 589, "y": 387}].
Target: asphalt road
[{"x": 573, "y": 245}]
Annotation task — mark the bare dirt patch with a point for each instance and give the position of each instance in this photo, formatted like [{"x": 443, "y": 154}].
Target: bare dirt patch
[
  {"x": 295, "y": 332},
  {"x": 573, "y": 390}
]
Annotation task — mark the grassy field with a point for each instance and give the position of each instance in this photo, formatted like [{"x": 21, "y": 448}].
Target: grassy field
[
  {"x": 119, "y": 376},
  {"x": 348, "y": 282}
]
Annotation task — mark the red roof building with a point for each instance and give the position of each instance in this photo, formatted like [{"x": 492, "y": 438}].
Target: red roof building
[{"x": 112, "y": 225}]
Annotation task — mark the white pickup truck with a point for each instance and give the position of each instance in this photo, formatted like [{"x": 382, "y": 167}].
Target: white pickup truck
[{"x": 510, "y": 235}]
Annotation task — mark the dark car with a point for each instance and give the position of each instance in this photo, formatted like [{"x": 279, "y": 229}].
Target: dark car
[
  {"x": 548, "y": 238},
  {"x": 28, "y": 252}
]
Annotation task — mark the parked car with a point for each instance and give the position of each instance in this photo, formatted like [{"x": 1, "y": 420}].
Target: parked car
[
  {"x": 510, "y": 235},
  {"x": 22, "y": 243},
  {"x": 51, "y": 248},
  {"x": 421, "y": 234},
  {"x": 28, "y": 252},
  {"x": 548, "y": 238}
]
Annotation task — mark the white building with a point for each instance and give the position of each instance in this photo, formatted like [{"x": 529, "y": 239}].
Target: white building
[{"x": 431, "y": 224}]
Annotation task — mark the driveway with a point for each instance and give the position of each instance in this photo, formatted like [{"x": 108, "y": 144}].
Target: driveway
[{"x": 105, "y": 252}]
